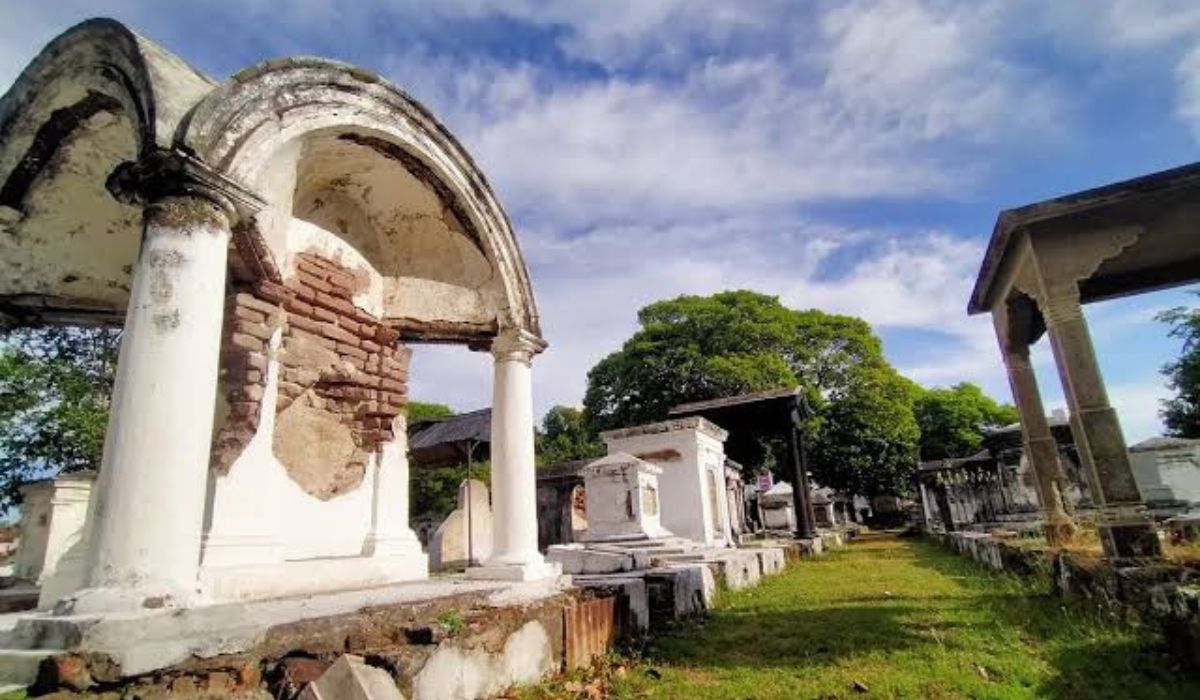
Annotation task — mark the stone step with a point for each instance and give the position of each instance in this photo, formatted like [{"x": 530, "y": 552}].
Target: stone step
[{"x": 20, "y": 666}]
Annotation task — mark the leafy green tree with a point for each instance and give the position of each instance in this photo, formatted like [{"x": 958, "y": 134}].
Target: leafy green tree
[
  {"x": 867, "y": 436},
  {"x": 54, "y": 394},
  {"x": 952, "y": 420},
  {"x": 565, "y": 436},
  {"x": 692, "y": 348},
  {"x": 1181, "y": 413},
  {"x": 422, "y": 410},
  {"x": 862, "y": 433}
]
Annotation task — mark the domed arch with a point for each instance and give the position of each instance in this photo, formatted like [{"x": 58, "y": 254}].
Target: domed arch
[
  {"x": 96, "y": 96},
  {"x": 342, "y": 149}
]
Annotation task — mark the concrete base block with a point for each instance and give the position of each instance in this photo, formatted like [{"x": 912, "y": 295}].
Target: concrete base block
[
  {"x": 351, "y": 679},
  {"x": 679, "y": 592},
  {"x": 633, "y": 614},
  {"x": 596, "y": 559},
  {"x": 515, "y": 572},
  {"x": 771, "y": 560}
]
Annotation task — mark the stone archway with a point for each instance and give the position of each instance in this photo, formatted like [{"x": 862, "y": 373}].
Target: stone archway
[{"x": 274, "y": 243}]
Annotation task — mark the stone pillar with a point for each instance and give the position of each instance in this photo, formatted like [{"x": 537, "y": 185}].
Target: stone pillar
[
  {"x": 391, "y": 535},
  {"x": 149, "y": 507},
  {"x": 515, "y": 554},
  {"x": 1125, "y": 531},
  {"x": 1040, "y": 447}
]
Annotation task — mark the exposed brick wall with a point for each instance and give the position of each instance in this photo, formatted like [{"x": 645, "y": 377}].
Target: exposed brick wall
[{"x": 334, "y": 356}]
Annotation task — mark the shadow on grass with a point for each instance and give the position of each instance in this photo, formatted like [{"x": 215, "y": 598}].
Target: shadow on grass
[
  {"x": 1093, "y": 656},
  {"x": 791, "y": 639}
]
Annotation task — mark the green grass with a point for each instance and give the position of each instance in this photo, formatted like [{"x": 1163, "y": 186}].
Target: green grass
[{"x": 902, "y": 618}]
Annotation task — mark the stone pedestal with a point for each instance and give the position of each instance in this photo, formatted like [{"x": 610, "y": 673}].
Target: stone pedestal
[
  {"x": 1125, "y": 531},
  {"x": 622, "y": 499}
]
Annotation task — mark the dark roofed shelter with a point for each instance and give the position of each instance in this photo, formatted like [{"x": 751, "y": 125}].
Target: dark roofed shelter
[
  {"x": 1043, "y": 263},
  {"x": 451, "y": 440},
  {"x": 770, "y": 415}
]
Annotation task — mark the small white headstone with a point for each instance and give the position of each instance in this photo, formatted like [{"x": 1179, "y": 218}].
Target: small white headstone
[{"x": 470, "y": 523}]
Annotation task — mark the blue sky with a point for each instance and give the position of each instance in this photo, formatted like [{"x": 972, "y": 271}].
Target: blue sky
[{"x": 849, "y": 156}]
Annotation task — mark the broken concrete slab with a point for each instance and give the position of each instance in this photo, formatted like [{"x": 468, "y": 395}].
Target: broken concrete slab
[{"x": 349, "y": 678}]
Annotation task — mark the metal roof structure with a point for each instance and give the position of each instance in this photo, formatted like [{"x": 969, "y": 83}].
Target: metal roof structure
[{"x": 442, "y": 441}]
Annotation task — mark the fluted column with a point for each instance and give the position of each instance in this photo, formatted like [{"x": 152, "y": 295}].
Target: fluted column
[
  {"x": 515, "y": 554},
  {"x": 1125, "y": 531}
]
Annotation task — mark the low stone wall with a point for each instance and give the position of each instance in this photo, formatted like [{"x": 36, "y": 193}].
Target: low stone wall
[{"x": 1164, "y": 597}]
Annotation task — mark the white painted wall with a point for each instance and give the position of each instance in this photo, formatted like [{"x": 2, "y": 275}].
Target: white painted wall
[
  {"x": 53, "y": 514},
  {"x": 683, "y": 484}
]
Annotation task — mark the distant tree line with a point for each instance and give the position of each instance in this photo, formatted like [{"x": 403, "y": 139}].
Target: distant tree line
[{"x": 869, "y": 426}]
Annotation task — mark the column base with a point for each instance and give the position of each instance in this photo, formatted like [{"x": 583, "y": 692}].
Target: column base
[
  {"x": 531, "y": 571},
  {"x": 1128, "y": 542},
  {"x": 1061, "y": 533},
  {"x": 88, "y": 601}
]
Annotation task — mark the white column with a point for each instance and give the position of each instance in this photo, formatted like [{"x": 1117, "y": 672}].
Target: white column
[
  {"x": 149, "y": 506},
  {"x": 515, "y": 554}
]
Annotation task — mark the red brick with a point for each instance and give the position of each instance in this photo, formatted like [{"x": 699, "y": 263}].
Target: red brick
[
  {"x": 298, "y": 306},
  {"x": 314, "y": 281},
  {"x": 370, "y": 346},
  {"x": 306, "y": 264},
  {"x": 339, "y": 334},
  {"x": 352, "y": 351},
  {"x": 245, "y": 313},
  {"x": 349, "y": 324},
  {"x": 250, "y": 301},
  {"x": 325, "y": 314},
  {"x": 241, "y": 340},
  {"x": 333, "y": 303},
  {"x": 386, "y": 336},
  {"x": 392, "y": 385},
  {"x": 271, "y": 291},
  {"x": 259, "y": 330},
  {"x": 303, "y": 323}
]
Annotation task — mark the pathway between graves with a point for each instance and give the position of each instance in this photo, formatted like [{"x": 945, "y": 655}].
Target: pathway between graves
[{"x": 888, "y": 617}]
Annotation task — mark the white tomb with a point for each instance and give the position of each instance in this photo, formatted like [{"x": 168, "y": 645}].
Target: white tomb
[
  {"x": 778, "y": 507},
  {"x": 622, "y": 499},
  {"x": 691, "y": 454},
  {"x": 465, "y": 537},
  {"x": 53, "y": 514},
  {"x": 1167, "y": 470}
]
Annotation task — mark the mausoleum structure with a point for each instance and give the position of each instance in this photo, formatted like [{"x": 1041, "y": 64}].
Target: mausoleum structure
[
  {"x": 53, "y": 512},
  {"x": 690, "y": 452},
  {"x": 272, "y": 244},
  {"x": 622, "y": 499},
  {"x": 1043, "y": 263}
]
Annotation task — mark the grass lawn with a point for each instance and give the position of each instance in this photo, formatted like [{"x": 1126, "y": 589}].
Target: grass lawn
[{"x": 898, "y": 619}]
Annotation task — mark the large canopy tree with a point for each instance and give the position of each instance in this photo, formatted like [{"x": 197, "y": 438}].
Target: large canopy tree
[
  {"x": 1181, "y": 413},
  {"x": 862, "y": 432},
  {"x": 952, "y": 420},
  {"x": 54, "y": 392},
  {"x": 565, "y": 436}
]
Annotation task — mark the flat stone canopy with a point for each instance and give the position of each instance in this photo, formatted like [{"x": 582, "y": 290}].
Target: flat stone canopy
[
  {"x": 304, "y": 139},
  {"x": 1163, "y": 205}
]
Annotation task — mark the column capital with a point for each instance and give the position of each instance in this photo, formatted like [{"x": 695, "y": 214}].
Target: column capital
[
  {"x": 1061, "y": 307},
  {"x": 517, "y": 345},
  {"x": 164, "y": 175}
]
